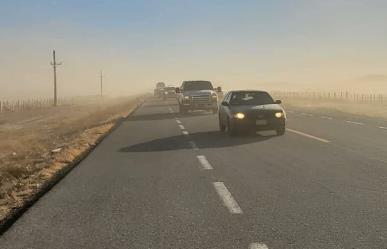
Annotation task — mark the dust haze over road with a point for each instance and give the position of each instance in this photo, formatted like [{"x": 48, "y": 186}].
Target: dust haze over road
[{"x": 301, "y": 45}]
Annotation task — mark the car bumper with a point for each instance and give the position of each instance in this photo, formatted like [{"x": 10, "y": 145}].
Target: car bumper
[
  {"x": 254, "y": 124},
  {"x": 200, "y": 106}
]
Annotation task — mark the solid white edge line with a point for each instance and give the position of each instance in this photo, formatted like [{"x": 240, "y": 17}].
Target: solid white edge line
[
  {"x": 204, "y": 162},
  {"x": 356, "y": 123},
  {"x": 181, "y": 127},
  {"x": 227, "y": 198},
  {"x": 308, "y": 135},
  {"x": 258, "y": 246},
  {"x": 185, "y": 132},
  {"x": 193, "y": 145}
]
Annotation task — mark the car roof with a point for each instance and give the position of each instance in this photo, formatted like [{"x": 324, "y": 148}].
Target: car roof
[
  {"x": 189, "y": 81},
  {"x": 242, "y": 91}
]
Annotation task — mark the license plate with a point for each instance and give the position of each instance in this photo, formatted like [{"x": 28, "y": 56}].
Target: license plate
[{"x": 261, "y": 122}]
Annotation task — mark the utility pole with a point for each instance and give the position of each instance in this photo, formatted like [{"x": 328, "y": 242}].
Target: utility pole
[
  {"x": 54, "y": 64},
  {"x": 101, "y": 82}
]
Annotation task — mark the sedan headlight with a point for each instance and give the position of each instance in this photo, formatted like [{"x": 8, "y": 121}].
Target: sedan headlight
[
  {"x": 239, "y": 115},
  {"x": 279, "y": 114}
]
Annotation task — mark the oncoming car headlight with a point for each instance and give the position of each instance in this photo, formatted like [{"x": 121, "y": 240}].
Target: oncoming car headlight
[
  {"x": 186, "y": 97},
  {"x": 239, "y": 115},
  {"x": 279, "y": 114}
]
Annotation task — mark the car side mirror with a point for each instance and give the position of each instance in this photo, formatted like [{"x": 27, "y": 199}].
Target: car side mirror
[
  {"x": 219, "y": 89},
  {"x": 278, "y": 101},
  {"x": 225, "y": 103},
  {"x": 177, "y": 90}
]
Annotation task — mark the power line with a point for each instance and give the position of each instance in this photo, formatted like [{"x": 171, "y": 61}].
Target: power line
[{"x": 55, "y": 64}]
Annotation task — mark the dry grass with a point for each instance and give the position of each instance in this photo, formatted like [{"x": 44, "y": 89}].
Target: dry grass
[{"x": 373, "y": 110}]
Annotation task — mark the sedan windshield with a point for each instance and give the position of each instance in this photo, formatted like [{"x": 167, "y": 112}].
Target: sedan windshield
[
  {"x": 197, "y": 85},
  {"x": 251, "y": 98}
]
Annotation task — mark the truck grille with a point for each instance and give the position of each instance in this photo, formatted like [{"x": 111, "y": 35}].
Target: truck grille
[{"x": 201, "y": 99}]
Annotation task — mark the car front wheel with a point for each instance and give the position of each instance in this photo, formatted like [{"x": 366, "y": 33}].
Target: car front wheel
[
  {"x": 230, "y": 128},
  {"x": 281, "y": 131},
  {"x": 222, "y": 127}
]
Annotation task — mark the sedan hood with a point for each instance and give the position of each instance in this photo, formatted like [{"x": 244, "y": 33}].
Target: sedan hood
[{"x": 257, "y": 108}]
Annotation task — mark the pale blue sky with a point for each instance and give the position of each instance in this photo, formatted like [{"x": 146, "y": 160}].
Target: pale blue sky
[{"x": 244, "y": 43}]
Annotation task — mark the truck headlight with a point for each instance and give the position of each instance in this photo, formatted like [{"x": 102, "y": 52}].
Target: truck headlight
[
  {"x": 279, "y": 114},
  {"x": 239, "y": 115}
]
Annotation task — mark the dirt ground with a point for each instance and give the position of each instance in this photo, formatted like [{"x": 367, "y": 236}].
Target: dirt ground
[
  {"x": 371, "y": 110},
  {"x": 34, "y": 145}
]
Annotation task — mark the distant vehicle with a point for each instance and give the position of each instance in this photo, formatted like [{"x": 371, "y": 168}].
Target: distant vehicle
[
  {"x": 251, "y": 111},
  {"x": 169, "y": 92},
  {"x": 159, "y": 90},
  {"x": 197, "y": 95}
]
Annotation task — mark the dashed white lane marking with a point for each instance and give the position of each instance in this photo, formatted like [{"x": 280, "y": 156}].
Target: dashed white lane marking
[
  {"x": 227, "y": 198},
  {"x": 306, "y": 114},
  {"x": 257, "y": 246},
  {"x": 178, "y": 121},
  {"x": 382, "y": 127},
  {"x": 185, "y": 133},
  {"x": 356, "y": 123},
  {"x": 204, "y": 162},
  {"x": 308, "y": 135},
  {"x": 181, "y": 127},
  {"x": 193, "y": 145},
  {"x": 326, "y": 117}
]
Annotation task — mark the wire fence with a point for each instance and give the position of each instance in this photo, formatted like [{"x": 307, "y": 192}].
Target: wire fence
[
  {"x": 374, "y": 98},
  {"x": 7, "y": 106}
]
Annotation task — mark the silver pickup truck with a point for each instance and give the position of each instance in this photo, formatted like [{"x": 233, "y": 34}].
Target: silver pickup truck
[{"x": 197, "y": 95}]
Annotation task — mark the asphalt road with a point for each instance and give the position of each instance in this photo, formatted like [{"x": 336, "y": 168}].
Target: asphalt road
[{"x": 162, "y": 180}]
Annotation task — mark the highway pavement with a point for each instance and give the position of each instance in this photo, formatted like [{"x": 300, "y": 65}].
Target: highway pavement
[{"x": 166, "y": 180}]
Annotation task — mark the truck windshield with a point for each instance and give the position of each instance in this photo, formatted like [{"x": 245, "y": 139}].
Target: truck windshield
[
  {"x": 251, "y": 98},
  {"x": 160, "y": 85},
  {"x": 197, "y": 85}
]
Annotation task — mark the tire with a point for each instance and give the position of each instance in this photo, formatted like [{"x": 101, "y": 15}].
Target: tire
[
  {"x": 281, "y": 131},
  {"x": 222, "y": 127},
  {"x": 182, "y": 109},
  {"x": 230, "y": 129}
]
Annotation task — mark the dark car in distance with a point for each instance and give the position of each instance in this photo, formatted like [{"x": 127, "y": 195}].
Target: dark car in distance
[
  {"x": 251, "y": 111},
  {"x": 159, "y": 90},
  {"x": 169, "y": 92}
]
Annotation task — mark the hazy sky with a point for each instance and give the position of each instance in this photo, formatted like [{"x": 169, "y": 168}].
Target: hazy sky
[{"x": 252, "y": 43}]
